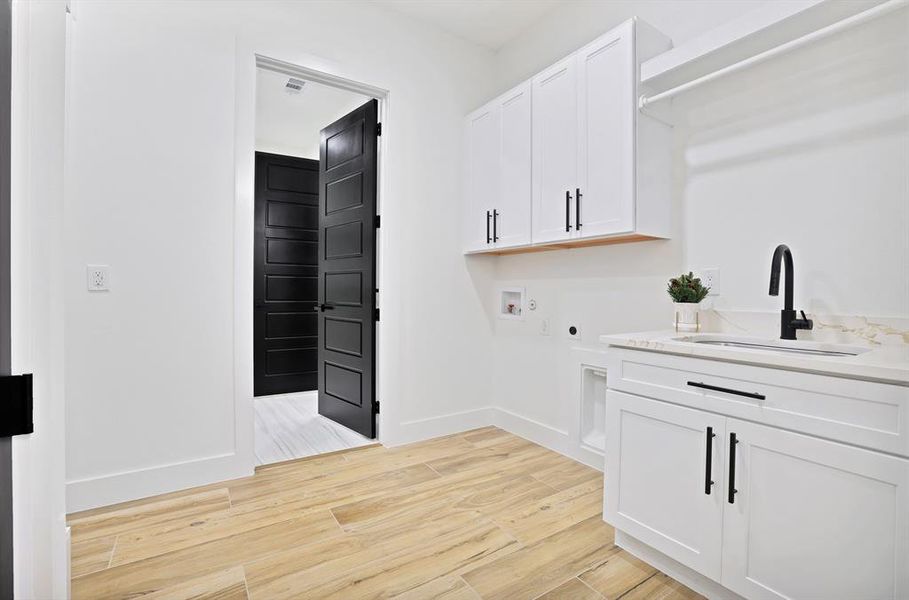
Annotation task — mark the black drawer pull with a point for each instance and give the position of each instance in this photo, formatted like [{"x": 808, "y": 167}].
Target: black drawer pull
[
  {"x": 732, "y": 491},
  {"x": 567, "y": 211},
  {"x": 488, "y": 215},
  {"x": 717, "y": 388},
  {"x": 708, "y": 477}
]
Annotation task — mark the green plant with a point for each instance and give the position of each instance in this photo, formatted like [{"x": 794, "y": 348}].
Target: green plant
[{"x": 687, "y": 288}]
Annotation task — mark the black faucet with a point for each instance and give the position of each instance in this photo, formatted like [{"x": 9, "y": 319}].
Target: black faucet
[{"x": 789, "y": 323}]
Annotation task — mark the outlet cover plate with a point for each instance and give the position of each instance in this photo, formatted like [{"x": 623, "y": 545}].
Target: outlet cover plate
[
  {"x": 98, "y": 278},
  {"x": 711, "y": 278}
]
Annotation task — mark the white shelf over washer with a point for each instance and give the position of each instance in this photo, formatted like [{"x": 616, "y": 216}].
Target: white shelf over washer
[{"x": 772, "y": 29}]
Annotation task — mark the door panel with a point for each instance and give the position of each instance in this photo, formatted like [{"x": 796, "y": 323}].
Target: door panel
[
  {"x": 483, "y": 141},
  {"x": 347, "y": 270},
  {"x": 554, "y": 151},
  {"x": 606, "y": 116},
  {"x": 514, "y": 199},
  {"x": 286, "y": 269},
  {"x": 815, "y": 519},
  {"x": 656, "y": 468}
]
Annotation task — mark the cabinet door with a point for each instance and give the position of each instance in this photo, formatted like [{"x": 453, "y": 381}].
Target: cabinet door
[
  {"x": 512, "y": 207},
  {"x": 606, "y": 117},
  {"x": 814, "y": 519},
  {"x": 554, "y": 151},
  {"x": 657, "y": 478},
  {"x": 482, "y": 187}
]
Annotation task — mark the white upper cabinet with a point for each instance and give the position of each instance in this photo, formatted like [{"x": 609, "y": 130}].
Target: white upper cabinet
[
  {"x": 554, "y": 151},
  {"x": 497, "y": 206},
  {"x": 483, "y": 127},
  {"x": 512, "y": 207},
  {"x": 606, "y": 80},
  {"x": 599, "y": 171}
]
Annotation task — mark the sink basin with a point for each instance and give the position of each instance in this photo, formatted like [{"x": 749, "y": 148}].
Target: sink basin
[{"x": 775, "y": 346}]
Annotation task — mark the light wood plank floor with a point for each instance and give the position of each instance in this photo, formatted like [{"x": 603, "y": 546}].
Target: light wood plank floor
[{"x": 482, "y": 514}]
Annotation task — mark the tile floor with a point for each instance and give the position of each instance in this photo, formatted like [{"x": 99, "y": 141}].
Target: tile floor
[{"x": 289, "y": 426}]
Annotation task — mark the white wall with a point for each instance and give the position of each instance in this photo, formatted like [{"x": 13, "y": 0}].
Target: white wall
[
  {"x": 810, "y": 150},
  {"x": 290, "y": 124},
  {"x": 40, "y": 539},
  {"x": 150, "y": 364}
]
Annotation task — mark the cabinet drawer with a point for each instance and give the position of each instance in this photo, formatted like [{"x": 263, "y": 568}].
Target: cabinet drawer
[{"x": 870, "y": 414}]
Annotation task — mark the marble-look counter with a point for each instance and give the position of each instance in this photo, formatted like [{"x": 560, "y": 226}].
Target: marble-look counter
[{"x": 886, "y": 361}]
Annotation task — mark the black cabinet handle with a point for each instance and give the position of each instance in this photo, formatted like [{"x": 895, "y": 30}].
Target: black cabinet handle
[
  {"x": 717, "y": 388},
  {"x": 488, "y": 239},
  {"x": 322, "y": 307},
  {"x": 495, "y": 228},
  {"x": 567, "y": 211},
  {"x": 732, "y": 491},
  {"x": 708, "y": 477},
  {"x": 577, "y": 208}
]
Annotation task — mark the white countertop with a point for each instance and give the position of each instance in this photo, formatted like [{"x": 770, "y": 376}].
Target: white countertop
[{"x": 884, "y": 363}]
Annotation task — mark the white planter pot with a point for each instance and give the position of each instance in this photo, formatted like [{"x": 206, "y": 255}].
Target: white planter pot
[{"x": 687, "y": 317}]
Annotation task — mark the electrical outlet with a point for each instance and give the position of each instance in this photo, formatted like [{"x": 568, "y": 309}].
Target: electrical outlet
[
  {"x": 98, "y": 278},
  {"x": 544, "y": 327},
  {"x": 711, "y": 278}
]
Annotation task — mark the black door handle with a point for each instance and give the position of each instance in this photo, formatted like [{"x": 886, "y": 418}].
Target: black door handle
[
  {"x": 732, "y": 491},
  {"x": 567, "y": 211},
  {"x": 708, "y": 477},
  {"x": 495, "y": 227},
  {"x": 577, "y": 208},
  {"x": 488, "y": 239},
  {"x": 717, "y": 388},
  {"x": 321, "y": 307}
]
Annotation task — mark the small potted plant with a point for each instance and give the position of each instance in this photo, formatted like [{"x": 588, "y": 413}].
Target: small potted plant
[{"x": 687, "y": 292}]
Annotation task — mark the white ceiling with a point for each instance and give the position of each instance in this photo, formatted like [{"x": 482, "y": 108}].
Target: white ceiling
[
  {"x": 289, "y": 124},
  {"x": 488, "y": 23}
]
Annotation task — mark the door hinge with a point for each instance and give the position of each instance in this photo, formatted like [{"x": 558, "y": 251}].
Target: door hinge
[
  {"x": 16, "y": 405},
  {"x": 378, "y": 221},
  {"x": 375, "y": 405},
  {"x": 377, "y": 314},
  {"x": 378, "y": 129}
]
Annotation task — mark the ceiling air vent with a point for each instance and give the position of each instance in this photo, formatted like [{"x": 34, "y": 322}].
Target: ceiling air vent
[{"x": 294, "y": 86}]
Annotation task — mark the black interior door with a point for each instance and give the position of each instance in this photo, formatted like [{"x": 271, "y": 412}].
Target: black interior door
[
  {"x": 286, "y": 271},
  {"x": 347, "y": 269}
]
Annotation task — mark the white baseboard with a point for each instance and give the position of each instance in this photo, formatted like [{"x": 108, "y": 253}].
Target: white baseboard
[
  {"x": 310, "y": 395},
  {"x": 93, "y": 492},
  {"x": 539, "y": 433},
  {"x": 547, "y": 436},
  {"x": 423, "y": 429},
  {"x": 104, "y": 490}
]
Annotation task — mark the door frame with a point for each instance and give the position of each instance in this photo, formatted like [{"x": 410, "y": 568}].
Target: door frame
[{"x": 250, "y": 57}]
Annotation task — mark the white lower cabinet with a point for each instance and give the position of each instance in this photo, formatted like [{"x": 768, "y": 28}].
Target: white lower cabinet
[
  {"x": 656, "y": 468},
  {"x": 788, "y": 516},
  {"x": 814, "y": 519}
]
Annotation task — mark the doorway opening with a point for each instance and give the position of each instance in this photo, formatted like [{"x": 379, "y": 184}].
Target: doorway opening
[{"x": 315, "y": 255}]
